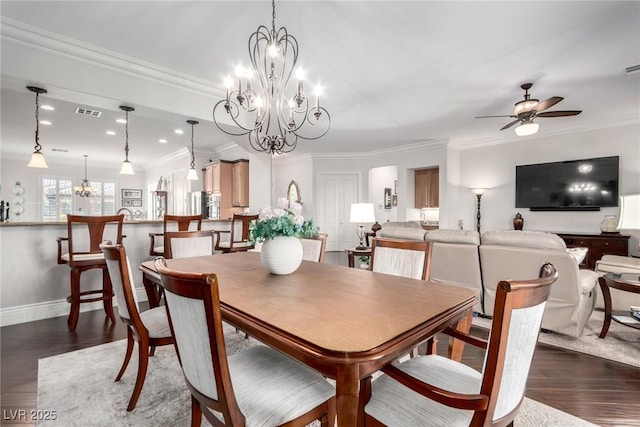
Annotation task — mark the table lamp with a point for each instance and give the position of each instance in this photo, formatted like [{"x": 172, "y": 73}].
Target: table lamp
[
  {"x": 362, "y": 213},
  {"x": 629, "y": 212}
]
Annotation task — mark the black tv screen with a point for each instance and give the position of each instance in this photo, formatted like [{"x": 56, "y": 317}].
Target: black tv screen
[{"x": 587, "y": 184}]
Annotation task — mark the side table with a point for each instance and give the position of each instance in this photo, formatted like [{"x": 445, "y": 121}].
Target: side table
[
  {"x": 628, "y": 282},
  {"x": 352, "y": 253}
]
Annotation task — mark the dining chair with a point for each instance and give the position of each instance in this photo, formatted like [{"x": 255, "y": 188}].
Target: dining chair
[
  {"x": 84, "y": 235},
  {"x": 405, "y": 258},
  {"x": 238, "y": 234},
  {"x": 149, "y": 328},
  {"x": 314, "y": 248},
  {"x": 432, "y": 390},
  {"x": 185, "y": 244},
  {"x": 172, "y": 223},
  {"x": 258, "y": 386}
]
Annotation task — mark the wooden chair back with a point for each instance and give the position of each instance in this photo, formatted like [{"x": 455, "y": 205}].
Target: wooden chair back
[
  {"x": 517, "y": 318},
  {"x": 192, "y": 298},
  {"x": 185, "y": 244},
  {"x": 314, "y": 248},
  {"x": 238, "y": 234},
  {"x": 123, "y": 285},
  {"x": 86, "y": 233},
  {"x": 406, "y": 258},
  {"x": 183, "y": 222}
]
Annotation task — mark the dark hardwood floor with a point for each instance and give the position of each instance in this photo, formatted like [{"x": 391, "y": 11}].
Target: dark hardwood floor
[{"x": 601, "y": 391}]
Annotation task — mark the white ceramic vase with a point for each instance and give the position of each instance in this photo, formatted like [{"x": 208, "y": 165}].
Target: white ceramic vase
[{"x": 281, "y": 255}]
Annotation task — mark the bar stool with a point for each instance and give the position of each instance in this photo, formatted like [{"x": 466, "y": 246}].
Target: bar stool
[
  {"x": 84, "y": 235},
  {"x": 173, "y": 223}
]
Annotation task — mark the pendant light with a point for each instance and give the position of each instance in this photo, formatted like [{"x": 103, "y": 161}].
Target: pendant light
[
  {"x": 127, "y": 168},
  {"x": 84, "y": 189},
  {"x": 37, "y": 158},
  {"x": 193, "y": 173}
]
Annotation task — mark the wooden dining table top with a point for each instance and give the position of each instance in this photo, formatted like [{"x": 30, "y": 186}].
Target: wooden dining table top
[
  {"x": 334, "y": 308},
  {"x": 345, "y": 323}
]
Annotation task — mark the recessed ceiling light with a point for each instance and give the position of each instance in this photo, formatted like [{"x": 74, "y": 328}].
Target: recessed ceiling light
[
  {"x": 45, "y": 122},
  {"x": 162, "y": 141},
  {"x": 47, "y": 107},
  {"x": 178, "y": 131},
  {"x": 110, "y": 132},
  {"x": 122, "y": 121}
]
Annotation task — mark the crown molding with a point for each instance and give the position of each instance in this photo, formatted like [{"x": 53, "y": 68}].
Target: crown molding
[
  {"x": 59, "y": 45},
  {"x": 401, "y": 149}
]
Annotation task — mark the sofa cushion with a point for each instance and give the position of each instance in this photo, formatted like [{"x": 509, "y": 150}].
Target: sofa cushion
[
  {"x": 406, "y": 233},
  {"x": 470, "y": 237},
  {"x": 523, "y": 239},
  {"x": 403, "y": 224}
]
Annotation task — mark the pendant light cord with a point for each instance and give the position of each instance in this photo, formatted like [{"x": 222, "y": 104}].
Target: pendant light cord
[
  {"x": 126, "y": 136},
  {"x": 38, "y": 146},
  {"x": 193, "y": 160}
]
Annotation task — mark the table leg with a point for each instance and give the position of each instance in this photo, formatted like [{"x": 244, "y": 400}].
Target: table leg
[
  {"x": 606, "y": 294},
  {"x": 456, "y": 347},
  {"x": 350, "y": 256},
  {"x": 347, "y": 392},
  {"x": 151, "y": 288}
]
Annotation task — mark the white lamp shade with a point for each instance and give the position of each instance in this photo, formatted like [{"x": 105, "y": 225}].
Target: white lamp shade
[
  {"x": 37, "y": 160},
  {"x": 127, "y": 168},
  {"x": 362, "y": 213},
  {"x": 629, "y": 212},
  {"x": 192, "y": 175},
  {"x": 527, "y": 128}
]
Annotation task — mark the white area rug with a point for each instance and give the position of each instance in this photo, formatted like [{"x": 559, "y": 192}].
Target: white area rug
[
  {"x": 621, "y": 344},
  {"x": 80, "y": 387}
]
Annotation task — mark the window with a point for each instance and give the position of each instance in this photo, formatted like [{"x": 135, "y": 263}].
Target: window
[{"x": 58, "y": 199}]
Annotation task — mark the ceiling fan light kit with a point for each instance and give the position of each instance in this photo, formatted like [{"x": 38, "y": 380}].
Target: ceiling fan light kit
[{"x": 528, "y": 109}]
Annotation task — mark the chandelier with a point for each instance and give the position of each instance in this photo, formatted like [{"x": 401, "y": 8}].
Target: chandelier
[
  {"x": 84, "y": 189},
  {"x": 275, "y": 112}
]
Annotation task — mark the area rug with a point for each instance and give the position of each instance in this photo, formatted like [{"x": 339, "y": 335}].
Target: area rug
[
  {"x": 79, "y": 386},
  {"x": 622, "y": 344}
]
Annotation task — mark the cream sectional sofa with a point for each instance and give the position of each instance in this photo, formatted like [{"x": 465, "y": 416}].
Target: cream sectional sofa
[{"x": 463, "y": 258}]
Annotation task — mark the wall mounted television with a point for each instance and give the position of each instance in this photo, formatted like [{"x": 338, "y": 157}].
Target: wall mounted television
[{"x": 574, "y": 185}]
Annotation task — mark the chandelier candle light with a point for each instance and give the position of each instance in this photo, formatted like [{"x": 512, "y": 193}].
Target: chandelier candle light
[
  {"x": 84, "y": 189},
  {"x": 37, "y": 158},
  {"x": 127, "y": 167},
  {"x": 275, "y": 112},
  {"x": 192, "y": 175}
]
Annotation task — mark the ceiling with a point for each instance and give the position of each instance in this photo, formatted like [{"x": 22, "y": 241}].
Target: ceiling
[{"x": 394, "y": 72}]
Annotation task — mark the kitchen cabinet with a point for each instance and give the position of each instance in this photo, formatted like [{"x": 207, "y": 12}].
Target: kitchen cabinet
[
  {"x": 427, "y": 188},
  {"x": 240, "y": 183}
]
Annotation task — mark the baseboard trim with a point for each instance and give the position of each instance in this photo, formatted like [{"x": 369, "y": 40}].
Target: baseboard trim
[{"x": 48, "y": 309}]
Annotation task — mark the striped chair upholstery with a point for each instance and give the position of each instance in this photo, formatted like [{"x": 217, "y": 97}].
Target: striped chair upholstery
[
  {"x": 401, "y": 258},
  {"x": 185, "y": 244}
]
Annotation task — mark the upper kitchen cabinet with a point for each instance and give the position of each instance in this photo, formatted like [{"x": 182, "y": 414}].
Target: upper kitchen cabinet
[
  {"x": 240, "y": 181},
  {"x": 427, "y": 187}
]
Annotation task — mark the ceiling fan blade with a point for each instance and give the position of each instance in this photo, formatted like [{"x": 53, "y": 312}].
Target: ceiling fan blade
[
  {"x": 559, "y": 113},
  {"x": 488, "y": 117},
  {"x": 510, "y": 124},
  {"x": 547, "y": 103}
]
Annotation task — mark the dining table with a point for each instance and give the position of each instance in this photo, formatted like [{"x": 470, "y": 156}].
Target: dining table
[{"x": 343, "y": 322}]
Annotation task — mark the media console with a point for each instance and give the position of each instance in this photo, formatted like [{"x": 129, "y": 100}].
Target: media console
[{"x": 598, "y": 244}]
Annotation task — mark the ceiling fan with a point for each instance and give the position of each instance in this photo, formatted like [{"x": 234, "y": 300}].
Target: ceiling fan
[{"x": 528, "y": 109}]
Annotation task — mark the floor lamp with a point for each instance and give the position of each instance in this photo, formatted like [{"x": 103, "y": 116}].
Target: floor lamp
[
  {"x": 362, "y": 213},
  {"x": 478, "y": 192}
]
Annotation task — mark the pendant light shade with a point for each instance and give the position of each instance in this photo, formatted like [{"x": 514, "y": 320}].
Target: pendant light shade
[
  {"x": 127, "y": 167},
  {"x": 37, "y": 158},
  {"x": 192, "y": 175}
]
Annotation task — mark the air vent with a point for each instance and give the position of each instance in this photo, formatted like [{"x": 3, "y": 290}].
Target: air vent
[
  {"x": 88, "y": 112},
  {"x": 633, "y": 69},
  {"x": 59, "y": 150}
]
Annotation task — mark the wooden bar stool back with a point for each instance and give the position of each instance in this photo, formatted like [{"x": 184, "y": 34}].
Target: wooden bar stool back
[
  {"x": 172, "y": 223},
  {"x": 84, "y": 235}
]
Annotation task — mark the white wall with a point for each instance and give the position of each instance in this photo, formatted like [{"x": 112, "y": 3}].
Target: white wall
[
  {"x": 300, "y": 170},
  {"x": 494, "y": 168},
  {"x": 379, "y": 179}
]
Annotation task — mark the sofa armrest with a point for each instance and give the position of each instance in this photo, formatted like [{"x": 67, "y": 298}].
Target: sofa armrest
[{"x": 588, "y": 280}]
